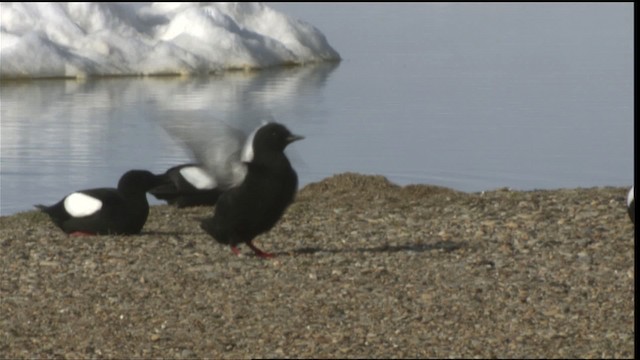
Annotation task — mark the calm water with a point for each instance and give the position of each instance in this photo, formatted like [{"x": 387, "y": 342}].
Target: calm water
[{"x": 471, "y": 97}]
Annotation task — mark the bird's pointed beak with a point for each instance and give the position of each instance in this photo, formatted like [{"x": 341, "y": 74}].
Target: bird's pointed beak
[{"x": 291, "y": 138}]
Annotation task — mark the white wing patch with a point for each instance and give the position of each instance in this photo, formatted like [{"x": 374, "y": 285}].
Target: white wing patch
[
  {"x": 80, "y": 205},
  {"x": 198, "y": 178},
  {"x": 247, "y": 149},
  {"x": 630, "y": 196}
]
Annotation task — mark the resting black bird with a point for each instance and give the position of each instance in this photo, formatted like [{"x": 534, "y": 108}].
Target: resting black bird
[
  {"x": 266, "y": 187},
  {"x": 106, "y": 210},
  {"x": 188, "y": 185}
]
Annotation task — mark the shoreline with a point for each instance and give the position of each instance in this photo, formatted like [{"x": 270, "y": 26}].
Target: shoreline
[{"x": 392, "y": 185}]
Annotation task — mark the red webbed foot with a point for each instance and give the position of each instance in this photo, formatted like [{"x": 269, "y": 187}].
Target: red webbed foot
[
  {"x": 235, "y": 250},
  {"x": 262, "y": 254}
]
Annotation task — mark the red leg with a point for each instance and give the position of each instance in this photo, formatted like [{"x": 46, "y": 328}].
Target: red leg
[
  {"x": 235, "y": 250},
  {"x": 262, "y": 254}
]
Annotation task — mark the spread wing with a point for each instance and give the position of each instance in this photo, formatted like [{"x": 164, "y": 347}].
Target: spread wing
[{"x": 215, "y": 145}]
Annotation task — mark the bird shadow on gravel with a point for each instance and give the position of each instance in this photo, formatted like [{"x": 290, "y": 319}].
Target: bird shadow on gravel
[
  {"x": 446, "y": 246},
  {"x": 177, "y": 234}
]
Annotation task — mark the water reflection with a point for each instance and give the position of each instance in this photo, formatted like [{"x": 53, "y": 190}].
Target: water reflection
[{"x": 59, "y": 135}]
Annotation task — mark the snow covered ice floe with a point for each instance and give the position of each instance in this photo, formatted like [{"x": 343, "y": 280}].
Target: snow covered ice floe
[{"x": 104, "y": 39}]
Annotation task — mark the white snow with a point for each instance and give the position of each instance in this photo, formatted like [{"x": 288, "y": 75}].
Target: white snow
[{"x": 93, "y": 39}]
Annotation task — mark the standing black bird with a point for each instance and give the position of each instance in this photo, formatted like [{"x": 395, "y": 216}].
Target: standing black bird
[
  {"x": 106, "y": 210},
  {"x": 266, "y": 189},
  {"x": 188, "y": 185}
]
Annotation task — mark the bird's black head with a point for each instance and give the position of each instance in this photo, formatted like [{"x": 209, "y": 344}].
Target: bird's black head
[
  {"x": 140, "y": 181},
  {"x": 273, "y": 137}
]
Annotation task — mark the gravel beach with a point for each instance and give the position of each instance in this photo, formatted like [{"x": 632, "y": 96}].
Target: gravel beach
[{"x": 364, "y": 268}]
